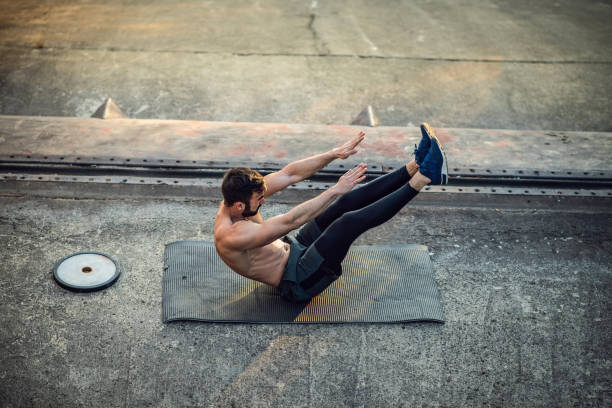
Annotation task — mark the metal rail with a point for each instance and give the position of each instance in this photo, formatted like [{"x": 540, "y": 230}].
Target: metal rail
[
  {"x": 304, "y": 185},
  {"x": 374, "y": 168},
  {"x": 169, "y": 171}
]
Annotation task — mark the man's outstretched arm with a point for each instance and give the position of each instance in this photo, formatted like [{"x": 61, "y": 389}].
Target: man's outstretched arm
[
  {"x": 302, "y": 169},
  {"x": 247, "y": 235}
]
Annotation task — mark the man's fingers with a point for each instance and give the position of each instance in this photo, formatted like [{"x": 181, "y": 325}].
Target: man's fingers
[
  {"x": 349, "y": 147},
  {"x": 360, "y": 169},
  {"x": 360, "y": 174},
  {"x": 354, "y": 176},
  {"x": 354, "y": 171},
  {"x": 358, "y": 139}
]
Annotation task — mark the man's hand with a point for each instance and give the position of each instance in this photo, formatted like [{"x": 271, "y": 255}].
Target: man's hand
[
  {"x": 351, "y": 178},
  {"x": 349, "y": 148},
  {"x": 302, "y": 169}
]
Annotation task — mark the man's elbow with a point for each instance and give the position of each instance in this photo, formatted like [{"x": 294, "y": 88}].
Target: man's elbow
[{"x": 290, "y": 175}]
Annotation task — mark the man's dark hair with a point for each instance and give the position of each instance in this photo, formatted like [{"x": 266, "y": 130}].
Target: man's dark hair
[{"x": 239, "y": 184}]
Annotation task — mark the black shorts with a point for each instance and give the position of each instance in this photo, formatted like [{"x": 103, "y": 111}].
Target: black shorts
[{"x": 305, "y": 276}]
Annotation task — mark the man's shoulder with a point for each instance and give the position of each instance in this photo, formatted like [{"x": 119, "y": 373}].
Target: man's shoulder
[{"x": 234, "y": 235}]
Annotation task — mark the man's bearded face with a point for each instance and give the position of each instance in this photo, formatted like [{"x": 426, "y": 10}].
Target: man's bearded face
[{"x": 247, "y": 211}]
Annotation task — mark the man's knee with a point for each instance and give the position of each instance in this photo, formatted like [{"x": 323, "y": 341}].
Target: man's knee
[{"x": 350, "y": 217}]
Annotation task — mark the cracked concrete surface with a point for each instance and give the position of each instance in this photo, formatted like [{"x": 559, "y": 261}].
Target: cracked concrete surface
[
  {"x": 525, "y": 292},
  {"x": 455, "y": 64},
  {"x": 526, "y": 286},
  {"x": 320, "y": 45},
  {"x": 307, "y": 89}
]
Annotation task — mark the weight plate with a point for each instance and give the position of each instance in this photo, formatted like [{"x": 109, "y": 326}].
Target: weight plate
[{"x": 86, "y": 271}]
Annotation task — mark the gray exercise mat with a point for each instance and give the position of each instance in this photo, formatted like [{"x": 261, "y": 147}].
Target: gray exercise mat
[{"x": 378, "y": 284}]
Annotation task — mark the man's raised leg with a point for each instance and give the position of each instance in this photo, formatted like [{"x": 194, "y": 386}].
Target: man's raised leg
[
  {"x": 333, "y": 244},
  {"x": 320, "y": 265},
  {"x": 357, "y": 198},
  {"x": 374, "y": 191}
]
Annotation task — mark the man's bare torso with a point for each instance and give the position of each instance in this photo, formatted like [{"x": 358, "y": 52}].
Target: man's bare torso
[
  {"x": 265, "y": 264},
  {"x": 250, "y": 245}
]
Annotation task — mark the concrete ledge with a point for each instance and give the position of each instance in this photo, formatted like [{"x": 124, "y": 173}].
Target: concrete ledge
[{"x": 282, "y": 143}]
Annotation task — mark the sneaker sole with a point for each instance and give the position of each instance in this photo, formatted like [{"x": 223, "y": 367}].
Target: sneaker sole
[
  {"x": 444, "y": 174},
  {"x": 428, "y": 130},
  {"x": 427, "y": 133},
  {"x": 432, "y": 135}
]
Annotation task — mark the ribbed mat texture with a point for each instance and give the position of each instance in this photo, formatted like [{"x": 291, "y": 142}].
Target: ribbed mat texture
[{"x": 378, "y": 284}]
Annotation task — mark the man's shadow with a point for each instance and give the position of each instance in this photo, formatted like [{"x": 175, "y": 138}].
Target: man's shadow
[{"x": 262, "y": 305}]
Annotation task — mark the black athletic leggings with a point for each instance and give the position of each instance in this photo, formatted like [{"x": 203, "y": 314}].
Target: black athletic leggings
[{"x": 357, "y": 211}]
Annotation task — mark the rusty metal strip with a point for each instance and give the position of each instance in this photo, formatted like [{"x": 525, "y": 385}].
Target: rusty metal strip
[
  {"x": 304, "y": 185},
  {"x": 210, "y": 182},
  {"x": 265, "y": 166},
  {"x": 520, "y": 191}
]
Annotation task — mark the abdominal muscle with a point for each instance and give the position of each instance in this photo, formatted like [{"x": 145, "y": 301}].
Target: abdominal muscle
[{"x": 264, "y": 264}]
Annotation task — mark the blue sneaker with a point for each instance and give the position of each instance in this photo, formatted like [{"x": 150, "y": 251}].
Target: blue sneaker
[
  {"x": 421, "y": 151},
  {"x": 434, "y": 165}
]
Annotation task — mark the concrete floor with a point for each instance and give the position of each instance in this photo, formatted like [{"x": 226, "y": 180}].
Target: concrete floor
[
  {"x": 459, "y": 64},
  {"x": 526, "y": 291},
  {"x": 525, "y": 281}
]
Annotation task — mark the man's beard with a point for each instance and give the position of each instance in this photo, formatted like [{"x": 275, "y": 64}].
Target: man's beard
[{"x": 247, "y": 211}]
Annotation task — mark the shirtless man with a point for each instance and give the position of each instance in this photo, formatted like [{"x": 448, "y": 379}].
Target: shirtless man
[{"x": 302, "y": 267}]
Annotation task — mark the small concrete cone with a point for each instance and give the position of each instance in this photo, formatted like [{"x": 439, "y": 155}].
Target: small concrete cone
[
  {"x": 108, "y": 110},
  {"x": 366, "y": 118}
]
